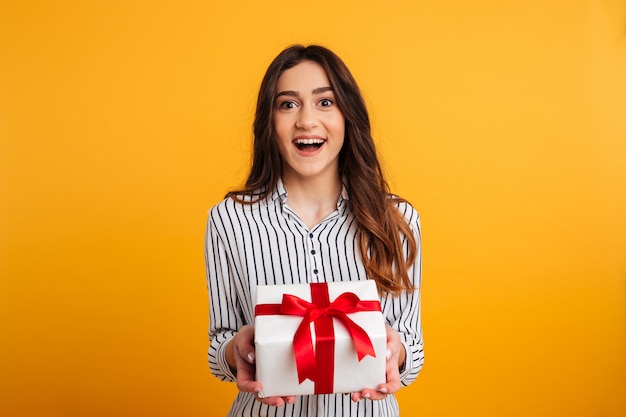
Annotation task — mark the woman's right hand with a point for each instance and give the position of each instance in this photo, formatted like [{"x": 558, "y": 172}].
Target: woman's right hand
[{"x": 241, "y": 358}]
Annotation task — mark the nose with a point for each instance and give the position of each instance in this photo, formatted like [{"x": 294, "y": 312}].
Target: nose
[{"x": 306, "y": 118}]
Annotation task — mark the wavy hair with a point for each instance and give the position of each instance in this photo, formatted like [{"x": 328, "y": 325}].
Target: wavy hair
[{"x": 382, "y": 227}]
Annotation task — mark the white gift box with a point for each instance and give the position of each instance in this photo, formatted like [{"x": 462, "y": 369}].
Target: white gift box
[{"x": 334, "y": 368}]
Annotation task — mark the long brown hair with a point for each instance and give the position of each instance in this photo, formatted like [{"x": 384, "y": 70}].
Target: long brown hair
[{"x": 381, "y": 225}]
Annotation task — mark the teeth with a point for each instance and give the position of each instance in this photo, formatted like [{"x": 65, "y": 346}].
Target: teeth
[{"x": 309, "y": 141}]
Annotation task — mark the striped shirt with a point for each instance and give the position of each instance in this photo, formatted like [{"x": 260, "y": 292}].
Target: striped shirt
[{"x": 266, "y": 243}]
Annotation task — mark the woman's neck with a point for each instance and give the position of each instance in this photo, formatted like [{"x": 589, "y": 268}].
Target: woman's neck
[{"x": 312, "y": 200}]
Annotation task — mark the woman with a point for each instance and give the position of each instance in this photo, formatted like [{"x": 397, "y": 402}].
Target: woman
[{"x": 315, "y": 208}]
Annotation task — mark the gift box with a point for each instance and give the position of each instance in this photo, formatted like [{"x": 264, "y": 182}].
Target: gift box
[{"x": 319, "y": 338}]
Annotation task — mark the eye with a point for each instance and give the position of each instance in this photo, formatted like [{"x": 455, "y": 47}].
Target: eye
[
  {"x": 286, "y": 105},
  {"x": 325, "y": 102}
]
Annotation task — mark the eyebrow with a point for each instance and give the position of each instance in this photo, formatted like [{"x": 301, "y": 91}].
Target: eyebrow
[{"x": 292, "y": 93}]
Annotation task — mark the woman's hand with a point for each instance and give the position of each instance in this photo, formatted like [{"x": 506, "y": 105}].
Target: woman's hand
[
  {"x": 240, "y": 356},
  {"x": 395, "y": 358}
]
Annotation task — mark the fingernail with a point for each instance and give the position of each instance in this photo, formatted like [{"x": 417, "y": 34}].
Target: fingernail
[
  {"x": 388, "y": 354},
  {"x": 257, "y": 389},
  {"x": 367, "y": 395},
  {"x": 251, "y": 357},
  {"x": 383, "y": 390}
]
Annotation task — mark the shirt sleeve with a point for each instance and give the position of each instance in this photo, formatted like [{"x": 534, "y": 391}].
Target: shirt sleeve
[
  {"x": 225, "y": 315},
  {"x": 404, "y": 313}
]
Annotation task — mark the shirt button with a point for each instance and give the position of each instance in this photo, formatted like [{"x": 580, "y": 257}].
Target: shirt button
[
  {"x": 315, "y": 271},
  {"x": 313, "y": 252},
  {"x": 311, "y": 235}
]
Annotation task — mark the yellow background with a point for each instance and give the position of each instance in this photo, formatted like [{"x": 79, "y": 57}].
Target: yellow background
[{"x": 122, "y": 122}]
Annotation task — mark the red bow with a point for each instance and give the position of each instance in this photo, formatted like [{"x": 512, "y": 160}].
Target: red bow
[{"x": 318, "y": 364}]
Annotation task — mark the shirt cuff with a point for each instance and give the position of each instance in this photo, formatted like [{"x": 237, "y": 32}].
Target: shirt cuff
[
  {"x": 222, "y": 363},
  {"x": 408, "y": 358}
]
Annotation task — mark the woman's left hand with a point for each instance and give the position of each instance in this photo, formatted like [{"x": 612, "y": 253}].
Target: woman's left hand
[{"x": 395, "y": 358}]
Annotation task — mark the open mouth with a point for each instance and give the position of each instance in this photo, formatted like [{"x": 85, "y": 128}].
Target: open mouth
[{"x": 309, "y": 144}]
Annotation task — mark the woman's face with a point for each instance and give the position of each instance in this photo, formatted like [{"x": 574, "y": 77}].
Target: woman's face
[{"x": 309, "y": 126}]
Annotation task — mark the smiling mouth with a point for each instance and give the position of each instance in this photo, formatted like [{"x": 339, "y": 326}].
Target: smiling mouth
[{"x": 309, "y": 144}]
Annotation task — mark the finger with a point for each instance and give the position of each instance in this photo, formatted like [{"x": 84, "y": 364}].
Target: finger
[
  {"x": 245, "y": 370},
  {"x": 393, "y": 341},
  {"x": 392, "y": 385},
  {"x": 245, "y": 345},
  {"x": 369, "y": 394},
  {"x": 393, "y": 378},
  {"x": 273, "y": 401},
  {"x": 289, "y": 399},
  {"x": 246, "y": 376},
  {"x": 248, "y": 385},
  {"x": 277, "y": 401}
]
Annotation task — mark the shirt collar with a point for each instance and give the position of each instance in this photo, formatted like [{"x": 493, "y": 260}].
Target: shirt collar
[{"x": 280, "y": 192}]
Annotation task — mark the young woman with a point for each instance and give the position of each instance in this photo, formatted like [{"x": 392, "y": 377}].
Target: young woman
[{"x": 315, "y": 208}]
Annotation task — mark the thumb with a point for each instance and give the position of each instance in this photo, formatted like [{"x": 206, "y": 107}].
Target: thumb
[{"x": 250, "y": 357}]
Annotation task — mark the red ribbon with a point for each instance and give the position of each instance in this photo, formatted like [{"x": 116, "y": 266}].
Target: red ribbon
[{"x": 318, "y": 365}]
